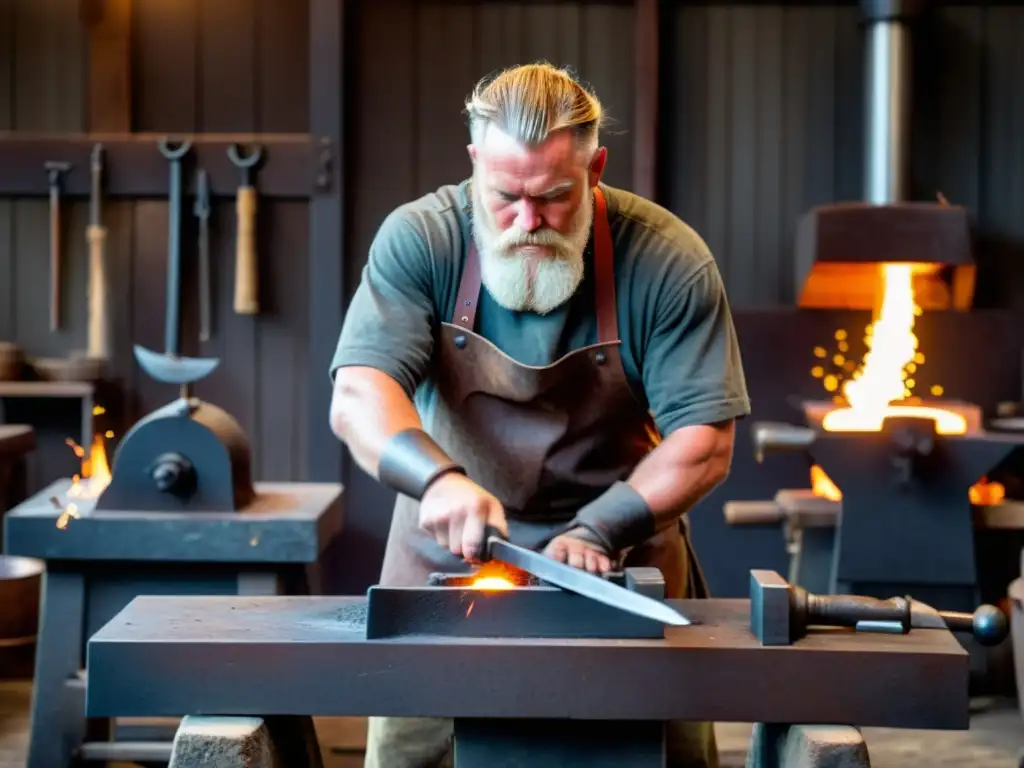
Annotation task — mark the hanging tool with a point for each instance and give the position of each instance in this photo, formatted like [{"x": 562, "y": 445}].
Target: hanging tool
[
  {"x": 201, "y": 209},
  {"x": 96, "y": 237},
  {"x": 497, "y": 547},
  {"x": 169, "y": 367},
  {"x": 55, "y": 172},
  {"x": 246, "y": 272}
]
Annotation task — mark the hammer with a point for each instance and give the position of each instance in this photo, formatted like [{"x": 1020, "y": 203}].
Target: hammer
[
  {"x": 55, "y": 172},
  {"x": 781, "y": 613},
  {"x": 246, "y": 272}
]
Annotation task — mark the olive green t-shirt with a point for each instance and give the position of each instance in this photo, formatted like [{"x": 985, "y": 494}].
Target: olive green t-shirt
[{"x": 679, "y": 347}]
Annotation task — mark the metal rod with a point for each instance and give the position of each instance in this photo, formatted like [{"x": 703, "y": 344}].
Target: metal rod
[
  {"x": 173, "y": 262},
  {"x": 887, "y": 111}
]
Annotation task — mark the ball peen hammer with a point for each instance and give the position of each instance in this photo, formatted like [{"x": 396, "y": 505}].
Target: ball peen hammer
[
  {"x": 55, "y": 172},
  {"x": 246, "y": 270}
]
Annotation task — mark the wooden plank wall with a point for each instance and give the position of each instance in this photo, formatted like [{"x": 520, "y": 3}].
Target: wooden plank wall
[
  {"x": 198, "y": 65},
  {"x": 760, "y": 117}
]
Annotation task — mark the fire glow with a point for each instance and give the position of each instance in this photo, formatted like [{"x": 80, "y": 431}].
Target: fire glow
[
  {"x": 493, "y": 576},
  {"x": 94, "y": 475},
  {"x": 880, "y": 389},
  {"x": 874, "y": 393}
]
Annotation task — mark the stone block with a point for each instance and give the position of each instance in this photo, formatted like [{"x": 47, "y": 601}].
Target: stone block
[
  {"x": 807, "y": 746},
  {"x": 222, "y": 742}
]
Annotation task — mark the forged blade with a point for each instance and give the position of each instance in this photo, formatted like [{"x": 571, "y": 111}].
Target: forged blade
[{"x": 583, "y": 583}]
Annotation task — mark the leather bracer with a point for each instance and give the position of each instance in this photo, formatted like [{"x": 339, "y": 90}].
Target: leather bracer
[
  {"x": 412, "y": 461},
  {"x": 619, "y": 518}
]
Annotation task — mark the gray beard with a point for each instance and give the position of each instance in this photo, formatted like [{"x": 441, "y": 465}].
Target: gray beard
[{"x": 528, "y": 283}]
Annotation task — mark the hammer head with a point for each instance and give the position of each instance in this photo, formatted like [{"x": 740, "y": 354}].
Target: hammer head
[
  {"x": 770, "y": 608},
  {"x": 55, "y": 170}
]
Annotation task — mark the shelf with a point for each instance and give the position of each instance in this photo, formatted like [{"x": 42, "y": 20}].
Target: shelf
[
  {"x": 73, "y": 389},
  {"x": 293, "y": 165}
]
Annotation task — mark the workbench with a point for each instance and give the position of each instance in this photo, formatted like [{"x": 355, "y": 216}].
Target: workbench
[
  {"x": 99, "y": 561},
  {"x": 298, "y": 657},
  {"x": 16, "y": 442}
]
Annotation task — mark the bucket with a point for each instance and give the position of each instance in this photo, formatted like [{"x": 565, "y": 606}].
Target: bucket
[{"x": 20, "y": 585}]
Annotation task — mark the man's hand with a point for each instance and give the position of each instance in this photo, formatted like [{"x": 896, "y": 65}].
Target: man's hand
[
  {"x": 579, "y": 549},
  {"x": 456, "y": 511}
]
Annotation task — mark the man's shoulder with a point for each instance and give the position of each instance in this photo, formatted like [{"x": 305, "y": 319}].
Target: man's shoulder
[
  {"x": 655, "y": 240},
  {"x": 437, "y": 218}
]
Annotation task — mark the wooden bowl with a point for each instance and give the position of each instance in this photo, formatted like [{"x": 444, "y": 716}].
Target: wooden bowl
[
  {"x": 73, "y": 368},
  {"x": 12, "y": 361}
]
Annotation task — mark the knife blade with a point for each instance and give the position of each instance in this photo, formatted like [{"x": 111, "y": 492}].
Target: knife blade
[{"x": 581, "y": 582}]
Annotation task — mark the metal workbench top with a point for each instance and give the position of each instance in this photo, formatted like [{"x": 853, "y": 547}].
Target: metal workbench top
[{"x": 171, "y": 656}]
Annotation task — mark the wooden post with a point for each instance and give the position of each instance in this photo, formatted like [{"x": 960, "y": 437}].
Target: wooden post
[
  {"x": 326, "y": 228},
  {"x": 645, "y": 108}
]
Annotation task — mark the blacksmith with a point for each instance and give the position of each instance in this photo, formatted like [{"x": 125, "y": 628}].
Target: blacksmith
[{"x": 537, "y": 351}]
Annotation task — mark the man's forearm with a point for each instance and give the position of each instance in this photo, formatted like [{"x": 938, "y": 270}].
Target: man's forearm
[
  {"x": 665, "y": 485},
  {"x": 683, "y": 469},
  {"x": 367, "y": 410},
  {"x": 378, "y": 422}
]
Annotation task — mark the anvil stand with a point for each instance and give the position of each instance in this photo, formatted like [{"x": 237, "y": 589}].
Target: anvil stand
[{"x": 107, "y": 557}]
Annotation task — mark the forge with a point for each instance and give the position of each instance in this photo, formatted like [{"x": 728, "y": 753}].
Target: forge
[
  {"x": 898, "y": 471},
  {"x": 176, "y": 512}
]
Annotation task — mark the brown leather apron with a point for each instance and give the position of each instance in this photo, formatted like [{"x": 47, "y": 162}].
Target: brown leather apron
[{"x": 545, "y": 440}]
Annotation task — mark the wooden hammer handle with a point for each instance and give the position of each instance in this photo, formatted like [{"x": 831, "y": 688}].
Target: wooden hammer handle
[
  {"x": 246, "y": 272},
  {"x": 54, "y": 265},
  {"x": 752, "y": 513},
  {"x": 99, "y": 333}
]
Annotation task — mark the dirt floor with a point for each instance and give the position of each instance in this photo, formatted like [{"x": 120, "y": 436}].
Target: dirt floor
[{"x": 995, "y": 739}]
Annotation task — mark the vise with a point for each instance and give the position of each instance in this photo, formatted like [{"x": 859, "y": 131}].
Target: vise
[
  {"x": 188, "y": 455},
  {"x": 782, "y": 613}
]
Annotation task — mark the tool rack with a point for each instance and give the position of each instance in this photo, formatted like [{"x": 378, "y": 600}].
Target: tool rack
[{"x": 294, "y": 165}]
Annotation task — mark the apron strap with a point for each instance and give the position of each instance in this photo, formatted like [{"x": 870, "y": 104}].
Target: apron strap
[
  {"x": 604, "y": 273},
  {"x": 468, "y": 298}
]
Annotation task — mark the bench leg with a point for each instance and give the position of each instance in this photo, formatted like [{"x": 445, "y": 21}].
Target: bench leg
[
  {"x": 57, "y": 726},
  {"x": 807, "y": 746},
  {"x": 245, "y": 742}
]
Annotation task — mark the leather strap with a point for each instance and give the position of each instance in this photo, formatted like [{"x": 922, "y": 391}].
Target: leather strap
[
  {"x": 469, "y": 290},
  {"x": 468, "y": 298},
  {"x": 604, "y": 273}
]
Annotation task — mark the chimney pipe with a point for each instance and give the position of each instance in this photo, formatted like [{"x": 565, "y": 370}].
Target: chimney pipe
[{"x": 887, "y": 80}]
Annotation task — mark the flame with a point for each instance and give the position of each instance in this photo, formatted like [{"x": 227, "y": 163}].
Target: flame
[
  {"x": 891, "y": 361},
  {"x": 986, "y": 494},
  {"x": 822, "y": 485},
  {"x": 494, "y": 575},
  {"x": 94, "y": 475},
  {"x": 493, "y": 582},
  {"x": 982, "y": 493}
]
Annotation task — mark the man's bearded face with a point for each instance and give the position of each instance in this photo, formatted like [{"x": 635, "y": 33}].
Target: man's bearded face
[{"x": 532, "y": 213}]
